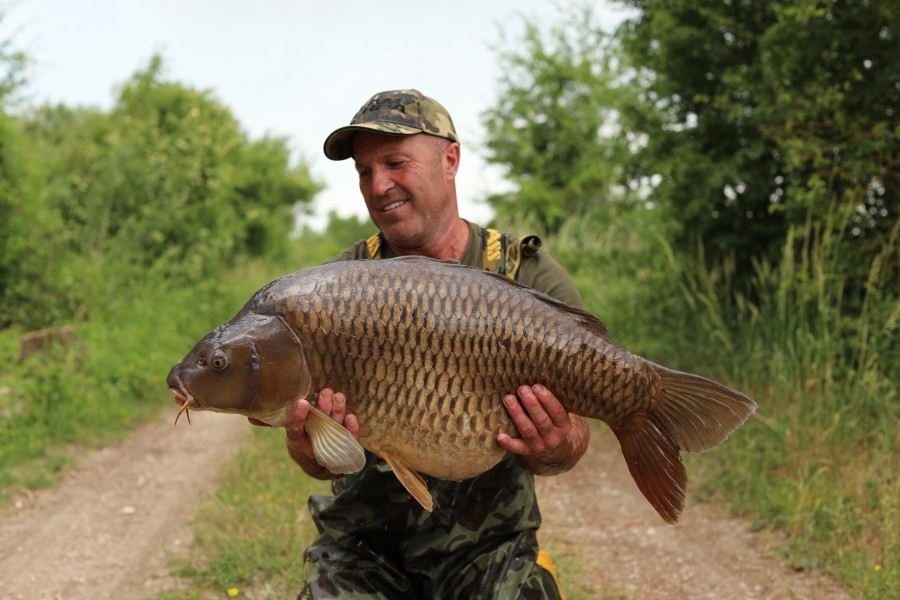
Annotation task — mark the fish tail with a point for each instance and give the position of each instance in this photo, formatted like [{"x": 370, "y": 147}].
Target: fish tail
[{"x": 691, "y": 413}]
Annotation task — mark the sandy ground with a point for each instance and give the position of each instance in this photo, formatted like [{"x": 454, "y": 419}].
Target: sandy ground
[
  {"x": 596, "y": 512},
  {"x": 104, "y": 533}
]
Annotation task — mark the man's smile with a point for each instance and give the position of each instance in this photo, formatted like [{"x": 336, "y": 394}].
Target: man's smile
[{"x": 394, "y": 205}]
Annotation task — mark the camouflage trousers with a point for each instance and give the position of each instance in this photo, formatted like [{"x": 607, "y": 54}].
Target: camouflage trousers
[
  {"x": 501, "y": 572},
  {"x": 479, "y": 542}
]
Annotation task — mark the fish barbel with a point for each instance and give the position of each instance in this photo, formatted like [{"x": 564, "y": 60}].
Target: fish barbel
[{"x": 424, "y": 351}]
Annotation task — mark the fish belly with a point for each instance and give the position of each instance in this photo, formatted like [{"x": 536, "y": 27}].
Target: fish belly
[{"x": 443, "y": 444}]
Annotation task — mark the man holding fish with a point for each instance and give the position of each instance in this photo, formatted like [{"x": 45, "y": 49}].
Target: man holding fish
[
  {"x": 434, "y": 496},
  {"x": 480, "y": 541}
]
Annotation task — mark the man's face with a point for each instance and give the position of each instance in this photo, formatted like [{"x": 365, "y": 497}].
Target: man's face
[{"x": 408, "y": 185}]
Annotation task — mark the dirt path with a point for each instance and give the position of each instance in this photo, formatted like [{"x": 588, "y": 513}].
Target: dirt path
[
  {"x": 596, "y": 513},
  {"x": 104, "y": 533}
]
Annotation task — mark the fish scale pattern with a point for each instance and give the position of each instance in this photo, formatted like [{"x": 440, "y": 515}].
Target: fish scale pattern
[{"x": 427, "y": 351}]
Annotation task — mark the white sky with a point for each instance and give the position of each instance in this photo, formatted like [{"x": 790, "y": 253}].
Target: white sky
[{"x": 292, "y": 68}]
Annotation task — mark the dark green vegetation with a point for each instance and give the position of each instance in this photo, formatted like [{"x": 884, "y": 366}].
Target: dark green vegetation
[
  {"x": 721, "y": 178},
  {"x": 125, "y": 234}
]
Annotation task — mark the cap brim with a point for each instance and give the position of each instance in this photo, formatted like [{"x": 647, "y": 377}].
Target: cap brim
[{"x": 339, "y": 145}]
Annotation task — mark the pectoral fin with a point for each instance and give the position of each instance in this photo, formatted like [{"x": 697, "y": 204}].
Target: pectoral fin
[
  {"x": 412, "y": 481},
  {"x": 335, "y": 448}
]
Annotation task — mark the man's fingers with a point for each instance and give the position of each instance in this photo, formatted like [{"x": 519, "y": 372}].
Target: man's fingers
[
  {"x": 528, "y": 431},
  {"x": 296, "y": 429},
  {"x": 540, "y": 418},
  {"x": 553, "y": 408},
  {"x": 339, "y": 407},
  {"x": 513, "y": 445},
  {"x": 535, "y": 409},
  {"x": 352, "y": 424},
  {"x": 325, "y": 400},
  {"x": 333, "y": 404}
]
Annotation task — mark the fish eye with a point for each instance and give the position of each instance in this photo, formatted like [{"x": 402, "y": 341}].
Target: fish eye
[{"x": 219, "y": 362}]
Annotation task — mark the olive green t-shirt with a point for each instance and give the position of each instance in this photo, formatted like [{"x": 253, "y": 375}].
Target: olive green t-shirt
[{"x": 539, "y": 271}]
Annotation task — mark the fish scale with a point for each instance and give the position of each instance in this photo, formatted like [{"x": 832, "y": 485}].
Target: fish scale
[
  {"x": 425, "y": 351},
  {"x": 486, "y": 337}
]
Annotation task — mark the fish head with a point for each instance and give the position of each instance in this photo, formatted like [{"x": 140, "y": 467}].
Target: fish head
[{"x": 253, "y": 365}]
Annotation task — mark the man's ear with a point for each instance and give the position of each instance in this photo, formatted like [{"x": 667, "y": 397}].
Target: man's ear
[{"x": 451, "y": 160}]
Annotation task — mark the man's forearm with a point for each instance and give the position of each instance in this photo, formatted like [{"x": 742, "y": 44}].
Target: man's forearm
[{"x": 565, "y": 455}]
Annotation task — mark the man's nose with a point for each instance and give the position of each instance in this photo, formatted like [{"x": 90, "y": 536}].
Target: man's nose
[{"x": 382, "y": 182}]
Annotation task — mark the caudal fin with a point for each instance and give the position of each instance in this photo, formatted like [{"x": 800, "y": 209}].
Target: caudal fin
[{"x": 692, "y": 413}]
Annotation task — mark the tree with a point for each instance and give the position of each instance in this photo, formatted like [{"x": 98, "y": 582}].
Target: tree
[
  {"x": 165, "y": 184},
  {"x": 13, "y": 66},
  {"x": 168, "y": 178},
  {"x": 735, "y": 120},
  {"x": 27, "y": 234},
  {"x": 552, "y": 125},
  {"x": 761, "y": 114}
]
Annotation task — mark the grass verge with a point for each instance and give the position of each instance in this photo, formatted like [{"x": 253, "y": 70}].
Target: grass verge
[{"x": 251, "y": 533}]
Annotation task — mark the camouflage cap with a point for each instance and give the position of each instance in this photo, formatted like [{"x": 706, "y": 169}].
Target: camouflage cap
[{"x": 396, "y": 112}]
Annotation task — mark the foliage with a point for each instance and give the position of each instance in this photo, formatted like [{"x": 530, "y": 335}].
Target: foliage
[
  {"x": 545, "y": 129},
  {"x": 165, "y": 181},
  {"x": 139, "y": 228},
  {"x": 314, "y": 247},
  {"x": 757, "y": 114},
  {"x": 111, "y": 376},
  {"x": 819, "y": 460},
  {"x": 736, "y": 119},
  {"x": 13, "y": 65}
]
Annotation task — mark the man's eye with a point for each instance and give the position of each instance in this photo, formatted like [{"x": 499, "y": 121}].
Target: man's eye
[{"x": 396, "y": 164}]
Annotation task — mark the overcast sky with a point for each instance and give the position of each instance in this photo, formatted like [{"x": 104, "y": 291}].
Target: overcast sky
[{"x": 292, "y": 68}]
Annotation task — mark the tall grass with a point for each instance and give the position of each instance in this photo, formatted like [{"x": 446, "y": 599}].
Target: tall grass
[{"x": 820, "y": 462}]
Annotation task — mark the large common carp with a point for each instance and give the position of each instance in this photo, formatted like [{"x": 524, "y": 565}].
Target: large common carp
[{"x": 424, "y": 351}]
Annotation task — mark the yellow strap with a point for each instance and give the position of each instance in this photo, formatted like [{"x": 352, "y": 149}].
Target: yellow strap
[
  {"x": 544, "y": 561},
  {"x": 373, "y": 246},
  {"x": 493, "y": 248},
  {"x": 500, "y": 253}
]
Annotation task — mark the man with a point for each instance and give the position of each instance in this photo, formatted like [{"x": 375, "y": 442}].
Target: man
[{"x": 480, "y": 542}]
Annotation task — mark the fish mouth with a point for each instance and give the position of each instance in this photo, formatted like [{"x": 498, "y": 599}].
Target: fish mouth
[{"x": 185, "y": 400}]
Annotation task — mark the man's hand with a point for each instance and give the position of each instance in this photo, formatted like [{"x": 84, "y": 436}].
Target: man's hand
[
  {"x": 330, "y": 403},
  {"x": 551, "y": 439},
  {"x": 298, "y": 441}
]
